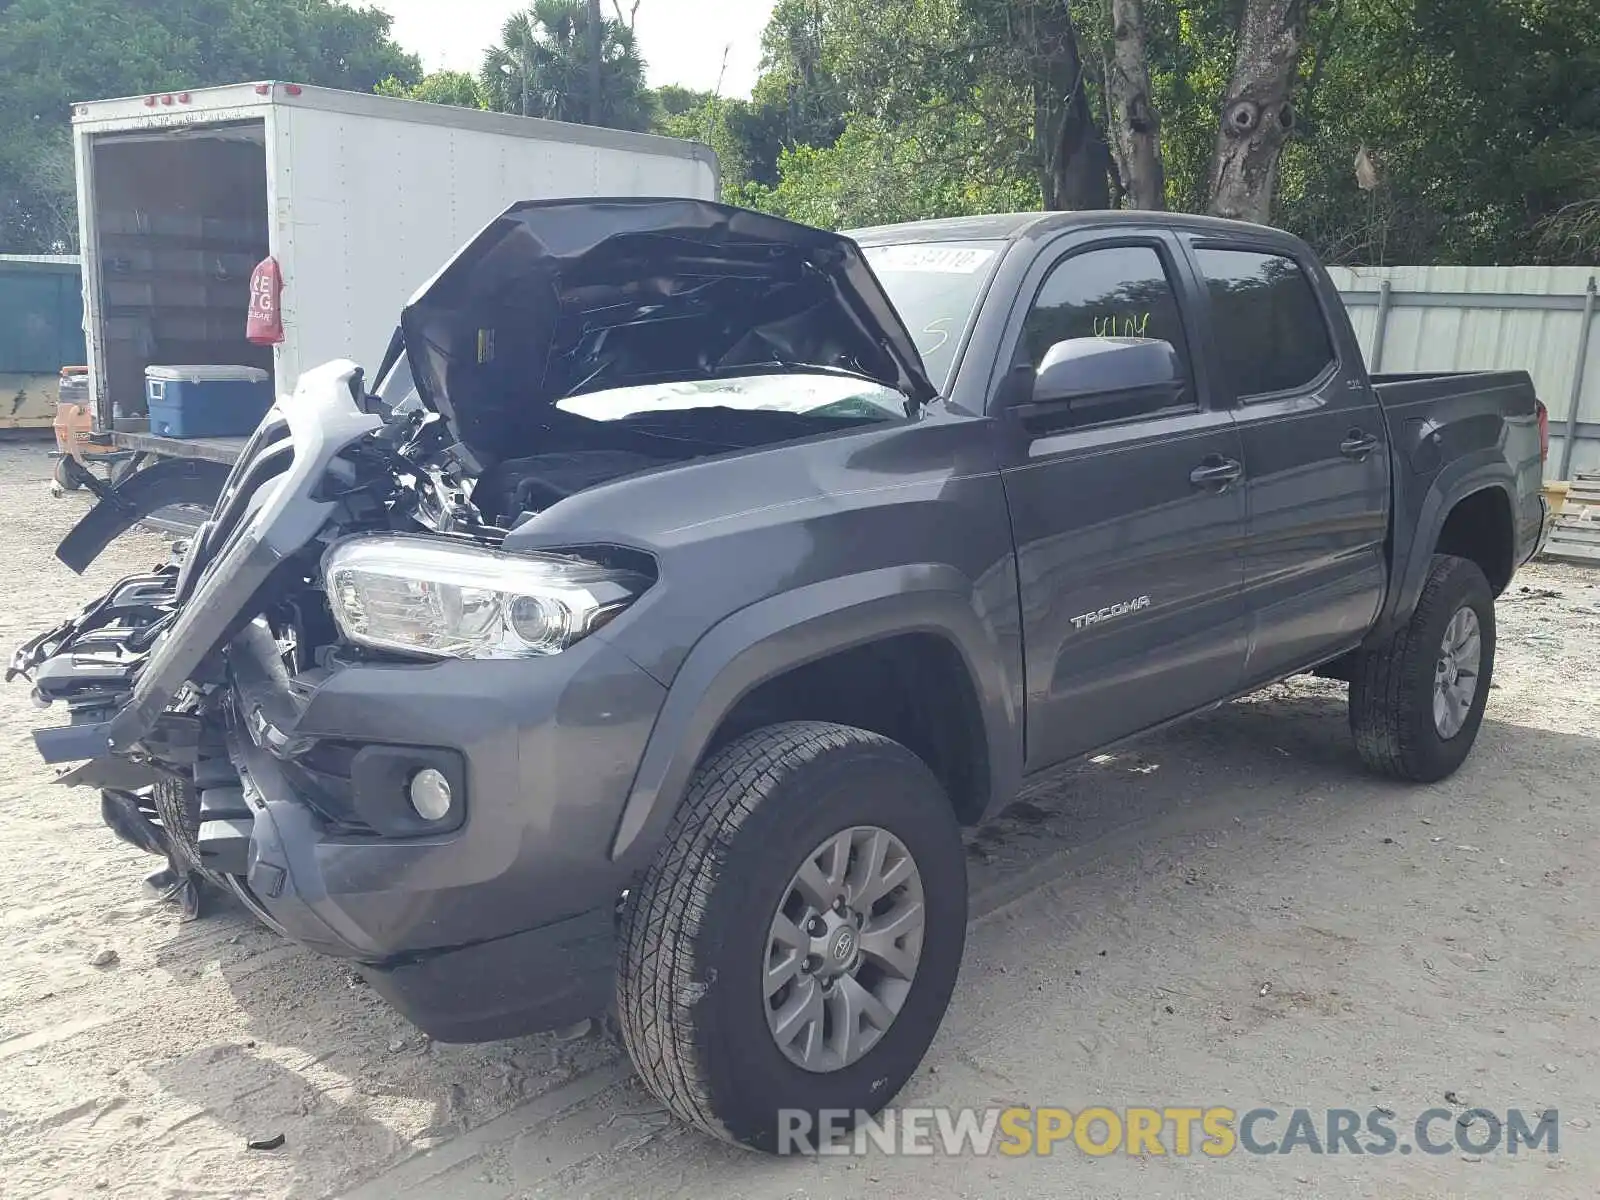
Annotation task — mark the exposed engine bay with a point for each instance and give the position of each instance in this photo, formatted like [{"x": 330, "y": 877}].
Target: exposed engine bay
[
  {"x": 569, "y": 346},
  {"x": 578, "y": 453},
  {"x": 178, "y": 781}
]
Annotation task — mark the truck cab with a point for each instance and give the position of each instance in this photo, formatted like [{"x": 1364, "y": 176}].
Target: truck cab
[{"x": 1233, "y": 503}]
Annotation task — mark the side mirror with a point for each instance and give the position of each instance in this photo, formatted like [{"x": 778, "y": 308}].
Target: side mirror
[{"x": 1110, "y": 370}]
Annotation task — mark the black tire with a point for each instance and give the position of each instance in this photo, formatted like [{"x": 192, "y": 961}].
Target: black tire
[
  {"x": 177, "y": 803},
  {"x": 694, "y": 933},
  {"x": 66, "y": 474},
  {"x": 122, "y": 471},
  {"x": 1391, "y": 688}
]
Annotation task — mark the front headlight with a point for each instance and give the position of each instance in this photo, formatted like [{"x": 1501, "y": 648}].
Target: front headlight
[{"x": 423, "y": 596}]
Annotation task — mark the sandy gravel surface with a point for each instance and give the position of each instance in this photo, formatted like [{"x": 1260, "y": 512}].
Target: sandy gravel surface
[{"x": 1416, "y": 941}]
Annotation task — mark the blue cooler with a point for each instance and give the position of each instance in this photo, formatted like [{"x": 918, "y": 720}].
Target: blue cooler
[{"x": 197, "y": 402}]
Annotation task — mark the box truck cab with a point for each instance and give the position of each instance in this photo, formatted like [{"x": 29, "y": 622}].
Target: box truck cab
[{"x": 355, "y": 199}]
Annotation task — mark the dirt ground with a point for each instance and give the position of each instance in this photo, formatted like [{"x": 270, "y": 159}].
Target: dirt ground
[{"x": 1230, "y": 914}]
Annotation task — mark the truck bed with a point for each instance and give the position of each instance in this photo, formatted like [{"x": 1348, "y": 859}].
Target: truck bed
[{"x": 1425, "y": 388}]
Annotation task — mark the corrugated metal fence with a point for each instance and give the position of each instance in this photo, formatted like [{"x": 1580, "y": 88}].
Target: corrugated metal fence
[{"x": 1535, "y": 319}]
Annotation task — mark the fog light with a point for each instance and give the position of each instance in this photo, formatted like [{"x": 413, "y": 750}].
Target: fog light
[{"x": 430, "y": 794}]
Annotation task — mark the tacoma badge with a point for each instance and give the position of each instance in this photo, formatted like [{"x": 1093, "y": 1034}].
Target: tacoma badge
[{"x": 1111, "y": 610}]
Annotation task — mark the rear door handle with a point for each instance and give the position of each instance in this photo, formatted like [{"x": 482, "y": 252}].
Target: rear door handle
[
  {"x": 1358, "y": 444},
  {"x": 1216, "y": 473}
]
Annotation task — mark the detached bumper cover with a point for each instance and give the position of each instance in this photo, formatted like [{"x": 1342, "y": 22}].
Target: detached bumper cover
[
  {"x": 266, "y": 513},
  {"x": 495, "y": 921}
]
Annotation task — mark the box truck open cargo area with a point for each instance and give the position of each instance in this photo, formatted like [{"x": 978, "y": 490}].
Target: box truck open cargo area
[{"x": 181, "y": 219}]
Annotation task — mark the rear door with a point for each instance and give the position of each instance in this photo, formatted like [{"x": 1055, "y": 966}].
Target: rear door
[
  {"x": 1316, "y": 456},
  {"x": 1128, "y": 530}
]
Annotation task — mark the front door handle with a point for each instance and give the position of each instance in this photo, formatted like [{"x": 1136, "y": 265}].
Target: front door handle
[
  {"x": 1216, "y": 473},
  {"x": 1358, "y": 444}
]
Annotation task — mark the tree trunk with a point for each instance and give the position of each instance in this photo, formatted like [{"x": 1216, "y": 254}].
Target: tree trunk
[
  {"x": 596, "y": 34},
  {"x": 633, "y": 14},
  {"x": 1258, "y": 112},
  {"x": 1074, "y": 161},
  {"x": 1135, "y": 123}
]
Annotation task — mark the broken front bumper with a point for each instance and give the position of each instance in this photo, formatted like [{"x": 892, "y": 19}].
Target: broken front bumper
[
  {"x": 501, "y": 923},
  {"x": 496, "y": 921},
  {"x": 504, "y": 923}
]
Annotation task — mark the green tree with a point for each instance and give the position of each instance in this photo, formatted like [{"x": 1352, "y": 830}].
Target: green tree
[
  {"x": 541, "y": 68},
  {"x": 874, "y": 174},
  {"x": 1482, "y": 116},
  {"x": 675, "y": 101},
  {"x": 716, "y": 121},
  {"x": 456, "y": 88},
  {"x": 933, "y": 101},
  {"x": 55, "y": 52}
]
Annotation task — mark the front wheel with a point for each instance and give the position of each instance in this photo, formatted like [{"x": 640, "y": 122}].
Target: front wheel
[
  {"x": 792, "y": 951},
  {"x": 1417, "y": 701}
]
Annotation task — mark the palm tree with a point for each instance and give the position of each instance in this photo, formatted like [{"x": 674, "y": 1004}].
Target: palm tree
[{"x": 541, "y": 67}]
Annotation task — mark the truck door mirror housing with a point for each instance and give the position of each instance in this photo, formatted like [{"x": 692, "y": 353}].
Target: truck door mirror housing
[{"x": 1086, "y": 373}]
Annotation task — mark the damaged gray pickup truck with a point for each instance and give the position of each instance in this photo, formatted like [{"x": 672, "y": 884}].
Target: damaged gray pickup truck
[{"x": 686, "y": 579}]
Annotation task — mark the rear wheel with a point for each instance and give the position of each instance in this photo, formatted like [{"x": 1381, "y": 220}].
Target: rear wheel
[
  {"x": 795, "y": 944},
  {"x": 1416, "y": 702}
]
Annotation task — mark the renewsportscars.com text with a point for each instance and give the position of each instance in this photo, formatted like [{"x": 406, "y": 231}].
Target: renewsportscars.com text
[{"x": 1215, "y": 1132}]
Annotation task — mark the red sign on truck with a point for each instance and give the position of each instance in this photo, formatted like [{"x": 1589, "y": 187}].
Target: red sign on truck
[{"x": 264, "y": 325}]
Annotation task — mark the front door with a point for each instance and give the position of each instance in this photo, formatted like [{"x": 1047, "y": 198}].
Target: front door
[
  {"x": 1128, "y": 530},
  {"x": 1316, "y": 456}
]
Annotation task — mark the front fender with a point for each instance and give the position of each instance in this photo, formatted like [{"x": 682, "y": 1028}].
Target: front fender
[{"x": 785, "y": 631}]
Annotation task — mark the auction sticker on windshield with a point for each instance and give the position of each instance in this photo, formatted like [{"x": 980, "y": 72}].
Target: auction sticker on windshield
[{"x": 953, "y": 260}]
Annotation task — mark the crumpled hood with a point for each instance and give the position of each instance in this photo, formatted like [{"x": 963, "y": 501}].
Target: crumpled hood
[{"x": 557, "y": 298}]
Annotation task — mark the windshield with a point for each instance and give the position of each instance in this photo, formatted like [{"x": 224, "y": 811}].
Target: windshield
[
  {"x": 800, "y": 394},
  {"x": 935, "y": 287}
]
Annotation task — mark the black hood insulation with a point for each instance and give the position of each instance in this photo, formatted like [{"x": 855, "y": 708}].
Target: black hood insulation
[{"x": 558, "y": 298}]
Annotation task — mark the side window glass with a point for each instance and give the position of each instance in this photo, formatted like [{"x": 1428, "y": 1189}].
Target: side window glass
[
  {"x": 1270, "y": 331},
  {"x": 1113, "y": 292}
]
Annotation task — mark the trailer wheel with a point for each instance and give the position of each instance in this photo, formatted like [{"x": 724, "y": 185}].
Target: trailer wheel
[
  {"x": 1417, "y": 701},
  {"x": 794, "y": 946},
  {"x": 120, "y": 471},
  {"x": 65, "y": 475}
]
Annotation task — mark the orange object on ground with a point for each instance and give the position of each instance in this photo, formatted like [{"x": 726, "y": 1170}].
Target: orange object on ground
[{"x": 74, "y": 422}]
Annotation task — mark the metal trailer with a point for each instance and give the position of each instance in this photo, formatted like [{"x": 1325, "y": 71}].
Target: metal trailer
[{"x": 359, "y": 198}]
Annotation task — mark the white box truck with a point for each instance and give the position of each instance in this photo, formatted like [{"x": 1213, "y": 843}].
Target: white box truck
[{"x": 360, "y": 199}]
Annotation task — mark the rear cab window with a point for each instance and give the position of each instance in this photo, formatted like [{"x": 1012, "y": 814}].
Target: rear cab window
[{"x": 1271, "y": 334}]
